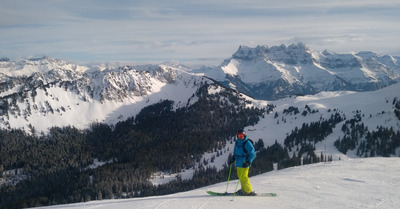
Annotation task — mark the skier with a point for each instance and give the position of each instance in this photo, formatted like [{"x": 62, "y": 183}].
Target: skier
[{"x": 244, "y": 155}]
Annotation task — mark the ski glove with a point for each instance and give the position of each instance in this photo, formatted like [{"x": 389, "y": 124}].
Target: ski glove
[
  {"x": 246, "y": 164},
  {"x": 232, "y": 160}
]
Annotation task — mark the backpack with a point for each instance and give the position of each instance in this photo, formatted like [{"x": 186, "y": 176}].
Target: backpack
[{"x": 244, "y": 147}]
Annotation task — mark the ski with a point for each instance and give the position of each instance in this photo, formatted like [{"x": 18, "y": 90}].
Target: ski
[{"x": 269, "y": 194}]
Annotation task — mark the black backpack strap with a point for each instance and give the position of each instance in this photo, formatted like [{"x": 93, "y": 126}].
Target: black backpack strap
[{"x": 244, "y": 148}]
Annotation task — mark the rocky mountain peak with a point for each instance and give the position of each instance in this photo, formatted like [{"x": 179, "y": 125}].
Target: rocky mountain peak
[{"x": 291, "y": 54}]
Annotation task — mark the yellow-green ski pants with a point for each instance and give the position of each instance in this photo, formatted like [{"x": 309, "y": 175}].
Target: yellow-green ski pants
[{"x": 243, "y": 174}]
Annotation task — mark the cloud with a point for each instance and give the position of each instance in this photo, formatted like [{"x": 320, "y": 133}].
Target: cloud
[{"x": 124, "y": 30}]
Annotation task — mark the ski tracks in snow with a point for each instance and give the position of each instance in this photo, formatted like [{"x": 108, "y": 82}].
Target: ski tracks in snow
[{"x": 189, "y": 203}]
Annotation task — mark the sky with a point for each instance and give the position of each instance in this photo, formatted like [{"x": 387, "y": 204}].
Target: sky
[{"x": 191, "y": 32}]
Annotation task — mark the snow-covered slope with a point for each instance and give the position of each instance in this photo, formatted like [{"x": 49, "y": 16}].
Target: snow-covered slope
[
  {"x": 279, "y": 71},
  {"x": 354, "y": 183}
]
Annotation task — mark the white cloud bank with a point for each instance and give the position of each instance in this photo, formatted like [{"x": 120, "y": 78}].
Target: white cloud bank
[{"x": 191, "y": 31}]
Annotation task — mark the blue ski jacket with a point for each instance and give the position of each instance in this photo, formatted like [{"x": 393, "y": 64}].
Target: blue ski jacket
[{"x": 240, "y": 155}]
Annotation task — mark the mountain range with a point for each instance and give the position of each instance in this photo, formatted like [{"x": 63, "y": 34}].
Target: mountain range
[
  {"x": 270, "y": 73},
  {"x": 39, "y": 93}
]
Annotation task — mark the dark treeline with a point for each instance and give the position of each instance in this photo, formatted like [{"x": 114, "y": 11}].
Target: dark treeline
[
  {"x": 59, "y": 167},
  {"x": 313, "y": 132},
  {"x": 381, "y": 142},
  {"x": 302, "y": 141},
  {"x": 396, "y": 103}
]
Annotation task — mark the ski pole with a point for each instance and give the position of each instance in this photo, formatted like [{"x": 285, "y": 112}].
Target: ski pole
[
  {"x": 234, "y": 194},
  {"x": 229, "y": 176}
]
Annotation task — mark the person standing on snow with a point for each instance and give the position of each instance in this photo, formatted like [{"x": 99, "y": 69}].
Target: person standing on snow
[{"x": 243, "y": 154}]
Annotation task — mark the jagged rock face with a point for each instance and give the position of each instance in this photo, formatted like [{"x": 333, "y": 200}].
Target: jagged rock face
[
  {"x": 290, "y": 55},
  {"x": 275, "y": 72}
]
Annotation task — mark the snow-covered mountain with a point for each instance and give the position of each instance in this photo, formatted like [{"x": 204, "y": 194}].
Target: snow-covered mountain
[
  {"x": 276, "y": 72},
  {"x": 355, "y": 183},
  {"x": 37, "y": 94}
]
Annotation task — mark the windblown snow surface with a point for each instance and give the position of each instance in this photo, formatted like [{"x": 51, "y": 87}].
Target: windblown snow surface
[{"x": 348, "y": 183}]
